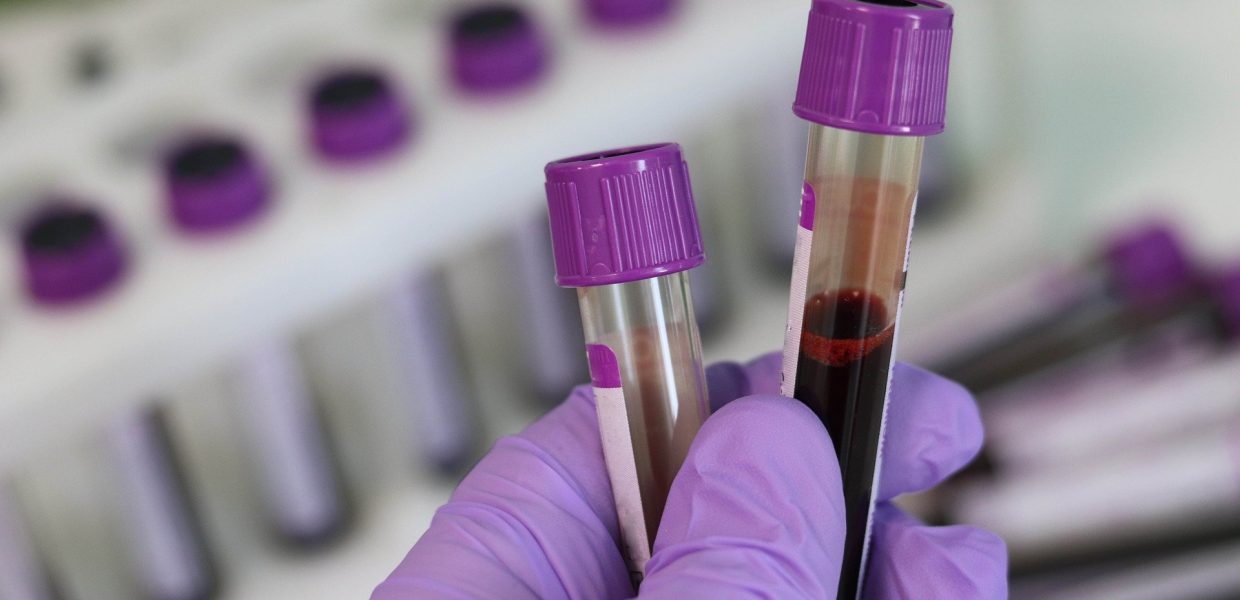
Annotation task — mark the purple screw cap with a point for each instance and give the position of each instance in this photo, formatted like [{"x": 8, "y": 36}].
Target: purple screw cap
[
  {"x": 356, "y": 115},
  {"x": 496, "y": 47},
  {"x": 876, "y": 66},
  {"x": 622, "y": 215},
  {"x": 70, "y": 253},
  {"x": 213, "y": 183},
  {"x": 626, "y": 13},
  {"x": 1148, "y": 264}
]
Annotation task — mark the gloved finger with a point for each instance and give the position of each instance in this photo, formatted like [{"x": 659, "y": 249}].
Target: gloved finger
[
  {"x": 534, "y": 519},
  {"x": 757, "y": 509},
  {"x": 725, "y": 382},
  {"x": 764, "y": 373},
  {"x": 933, "y": 425},
  {"x": 912, "y": 560},
  {"x": 933, "y": 430}
]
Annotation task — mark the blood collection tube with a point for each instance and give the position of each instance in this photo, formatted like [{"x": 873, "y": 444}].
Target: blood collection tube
[
  {"x": 356, "y": 115},
  {"x": 1141, "y": 277},
  {"x": 443, "y": 415},
  {"x": 873, "y": 83},
  {"x": 1110, "y": 404},
  {"x": 71, "y": 255},
  {"x": 22, "y": 572},
  {"x": 552, "y": 333},
  {"x": 165, "y": 535},
  {"x": 214, "y": 185},
  {"x": 625, "y": 232},
  {"x": 1152, "y": 497},
  {"x": 497, "y": 49}
]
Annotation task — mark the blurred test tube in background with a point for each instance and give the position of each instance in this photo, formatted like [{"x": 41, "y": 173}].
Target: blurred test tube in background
[
  {"x": 73, "y": 255},
  {"x": 214, "y": 185},
  {"x": 356, "y": 117},
  {"x": 1142, "y": 276},
  {"x": 1110, "y": 404},
  {"x": 169, "y": 552}
]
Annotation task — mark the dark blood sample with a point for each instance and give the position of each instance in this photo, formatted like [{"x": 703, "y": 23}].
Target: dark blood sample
[{"x": 842, "y": 372}]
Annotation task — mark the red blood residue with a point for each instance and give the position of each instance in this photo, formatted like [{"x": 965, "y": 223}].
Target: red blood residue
[{"x": 840, "y": 352}]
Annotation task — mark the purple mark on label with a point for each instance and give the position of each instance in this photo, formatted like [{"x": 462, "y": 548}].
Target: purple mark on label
[
  {"x": 808, "y": 201},
  {"x": 604, "y": 367}
]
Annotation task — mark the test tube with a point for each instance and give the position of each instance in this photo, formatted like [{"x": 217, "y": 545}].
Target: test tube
[
  {"x": 22, "y": 572},
  {"x": 873, "y": 83},
  {"x": 1113, "y": 408},
  {"x": 356, "y": 116},
  {"x": 71, "y": 255},
  {"x": 1150, "y": 498},
  {"x": 625, "y": 232},
  {"x": 552, "y": 333},
  {"x": 446, "y": 431},
  {"x": 497, "y": 50},
  {"x": 1141, "y": 277},
  {"x": 214, "y": 185},
  {"x": 169, "y": 548}
]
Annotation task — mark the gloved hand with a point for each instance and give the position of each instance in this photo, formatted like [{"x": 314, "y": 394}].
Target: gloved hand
[{"x": 756, "y": 510}]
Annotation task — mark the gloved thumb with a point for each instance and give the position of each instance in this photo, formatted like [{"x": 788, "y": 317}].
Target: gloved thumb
[{"x": 757, "y": 509}]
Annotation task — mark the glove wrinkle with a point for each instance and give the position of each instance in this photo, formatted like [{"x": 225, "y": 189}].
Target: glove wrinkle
[{"x": 756, "y": 511}]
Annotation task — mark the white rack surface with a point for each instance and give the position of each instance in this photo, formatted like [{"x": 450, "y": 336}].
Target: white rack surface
[{"x": 335, "y": 236}]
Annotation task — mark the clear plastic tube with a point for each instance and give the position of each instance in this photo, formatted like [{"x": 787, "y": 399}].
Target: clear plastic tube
[
  {"x": 298, "y": 476},
  {"x": 625, "y": 232},
  {"x": 646, "y": 363},
  {"x": 1049, "y": 427},
  {"x": 165, "y": 536},
  {"x": 1141, "y": 280},
  {"x": 1156, "y": 497},
  {"x": 848, "y": 282},
  {"x": 443, "y": 420}
]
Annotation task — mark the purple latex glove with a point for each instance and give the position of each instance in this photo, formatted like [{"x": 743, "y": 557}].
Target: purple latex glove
[{"x": 756, "y": 511}]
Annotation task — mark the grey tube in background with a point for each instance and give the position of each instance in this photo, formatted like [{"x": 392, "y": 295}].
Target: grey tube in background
[
  {"x": 779, "y": 140},
  {"x": 444, "y": 427},
  {"x": 551, "y": 325},
  {"x": 1148, "y": 498},
  {"x": 169, "y": 550},
  {"x": 1206, "y": 573},
  {"x": 288, "y": 442},
  {"x": 22, "y": 572}
]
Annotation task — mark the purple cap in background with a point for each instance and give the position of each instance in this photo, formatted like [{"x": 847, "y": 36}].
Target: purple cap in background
[
  {"x": 1148, "y": 265},
  {"x": 625, "y": 13},
  {"x": 876, "y": 66},
  {"x": 496, "y": 47},
  {"x": 355, "y": 114},
  {"x": 622, "y": 215},
  {"x": 70, "y": 253},
  {"x": 213, "y": 183}
]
